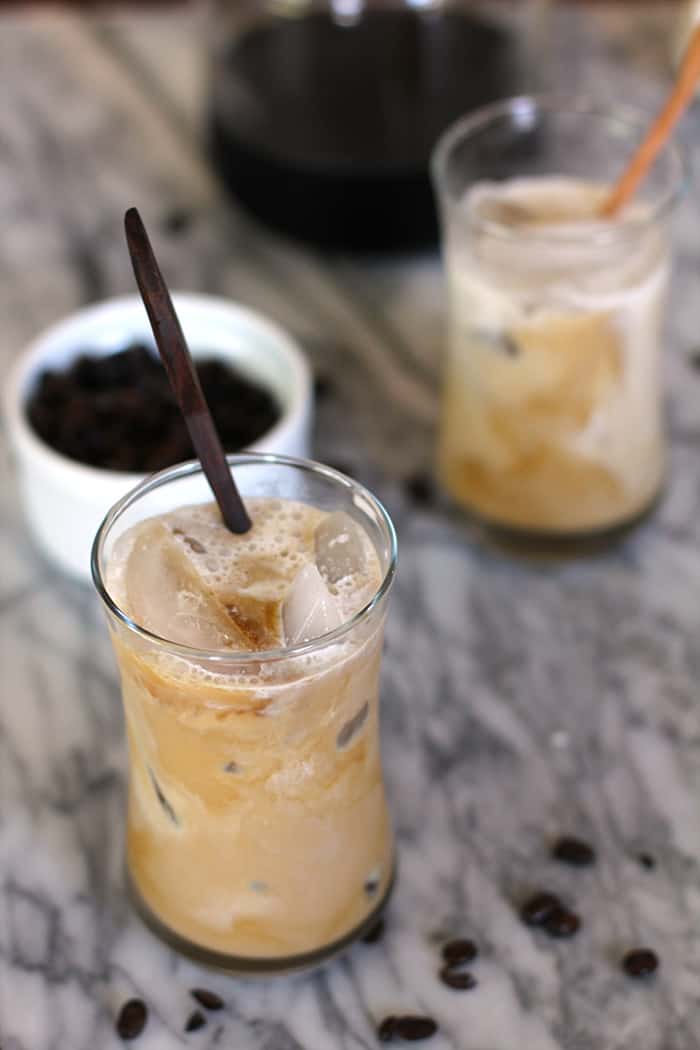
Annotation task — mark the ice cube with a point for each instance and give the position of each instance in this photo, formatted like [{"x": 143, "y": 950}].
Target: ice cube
[
  {"x": 310, "y": 610},
  {"x": 165, "y": 595},
  {"x": 340, "y": 550}
]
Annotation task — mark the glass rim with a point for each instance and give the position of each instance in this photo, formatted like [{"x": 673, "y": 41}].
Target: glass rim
[
  {"x": 226, "y": 656},
  {"x": 632, "y": 118}
]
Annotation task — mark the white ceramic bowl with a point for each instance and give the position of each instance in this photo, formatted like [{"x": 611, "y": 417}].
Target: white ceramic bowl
[{"x": 65, "y": 501}]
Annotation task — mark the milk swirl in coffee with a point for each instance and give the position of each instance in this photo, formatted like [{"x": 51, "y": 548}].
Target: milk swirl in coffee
[{"x": 551, "y": 407}]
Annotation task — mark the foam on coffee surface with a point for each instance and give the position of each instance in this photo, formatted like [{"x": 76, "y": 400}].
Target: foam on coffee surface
[
  {"x": 298, "y": 573},
  {"x": 563, "y": 239}
]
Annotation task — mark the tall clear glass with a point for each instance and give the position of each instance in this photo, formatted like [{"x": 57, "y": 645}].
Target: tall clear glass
[
  {"x": 258, "y": 837},
  {"x": 552, "y": 413}
]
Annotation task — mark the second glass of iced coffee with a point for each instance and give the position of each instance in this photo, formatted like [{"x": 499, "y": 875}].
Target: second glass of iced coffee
[
  {"x": 258, "y": 837},
  {"x": 552, "y": 411}
]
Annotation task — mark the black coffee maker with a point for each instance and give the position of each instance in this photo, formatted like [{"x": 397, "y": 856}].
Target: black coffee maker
[{"x": 324, "y": 113}]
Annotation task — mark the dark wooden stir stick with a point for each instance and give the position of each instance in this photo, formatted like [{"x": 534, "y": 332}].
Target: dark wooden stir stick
[{"x": 181, "y": 373}]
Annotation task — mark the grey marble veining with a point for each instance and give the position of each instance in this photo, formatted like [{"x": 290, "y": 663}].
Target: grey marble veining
[{"x": 520, "y": 698}]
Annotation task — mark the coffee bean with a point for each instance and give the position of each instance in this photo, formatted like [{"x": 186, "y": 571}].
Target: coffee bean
[
  {"x": 132, "y": 1019},
  {"x": 323, "y": 386},
  {"x": 420, "y": 489},
  {"x": 195, "y": 1021},
  {"x": 537, "y": 909},
  {"x": 374, "y": 933},
  {"x": 562, "y": 923},
  {"x": 459, "y": 951},
  {"x": 53, "y": 388},
  {"x": 177, "y": 220},
  {"x": 413, "y": 1028},
  {"x": 461, "y": 980},
  {"x": 646, "y": 860},
  {"x": 642, "y": 962},
  {"x": 573, "y": 851},
  {"x": 387, "y": 1029},
  {"x": 87, "y": 372},
  {"x": 117, "y": 412},
  {"x": 209, "y": 1000}
]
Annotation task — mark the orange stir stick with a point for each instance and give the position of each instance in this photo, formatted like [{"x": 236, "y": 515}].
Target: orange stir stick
[{"x": 659, "y": 132}]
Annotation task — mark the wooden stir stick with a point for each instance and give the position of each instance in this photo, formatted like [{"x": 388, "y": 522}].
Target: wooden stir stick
[
  {"x": 658, "y": 134},
  {"x": 182, "y": 375}
]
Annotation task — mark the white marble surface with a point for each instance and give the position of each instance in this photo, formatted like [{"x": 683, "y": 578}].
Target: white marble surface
[{"x": 521, "y": 699}]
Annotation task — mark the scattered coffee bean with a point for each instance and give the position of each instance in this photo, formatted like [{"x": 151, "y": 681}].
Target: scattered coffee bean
[
  {"x": 195, "y": 1021},
  {"x": 374, "y": 933},
  {"x": 562, "y": 923},
  {"x": 459, "y": 951},
  {"x": 646, "y": 860},
  {"x": 132, "y": 1019},
  {"x": 419, "y": 488},
  {"x": 413, "y": 1028},
  {"x": 209, "y": 1000},
  {"x": 573, "y": 851},
  {"x": 387, "y": 1029},
  {"x": 177, "y": 220},
  {"x": 323, "y": 387},
  {"x": 461, "y": 980},
  {"x": 537, "y": 909},
  {"x": 642, "y": 962}
]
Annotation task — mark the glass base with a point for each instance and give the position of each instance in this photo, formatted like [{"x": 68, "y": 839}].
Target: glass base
[
  {"x": 246, "y": 966},
  {"x": 534, "y": 541}
]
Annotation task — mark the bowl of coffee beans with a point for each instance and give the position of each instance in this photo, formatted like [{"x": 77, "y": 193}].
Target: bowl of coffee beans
[{"x": 90, "y": 413}]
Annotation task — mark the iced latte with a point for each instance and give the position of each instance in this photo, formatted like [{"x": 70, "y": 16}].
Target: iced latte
[
  {"x": 551, "y": 421},
  {"x": 258, "y": 836},
  {"x": 551, "y": 403}
]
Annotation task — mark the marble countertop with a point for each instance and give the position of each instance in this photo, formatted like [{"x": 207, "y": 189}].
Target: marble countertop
[{"x": 522, "y": 699}]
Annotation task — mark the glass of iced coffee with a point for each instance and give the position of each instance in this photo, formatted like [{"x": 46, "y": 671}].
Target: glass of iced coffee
[
  {"x": 258, "y": 838},
  {"x": 552, "y": 410}
]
